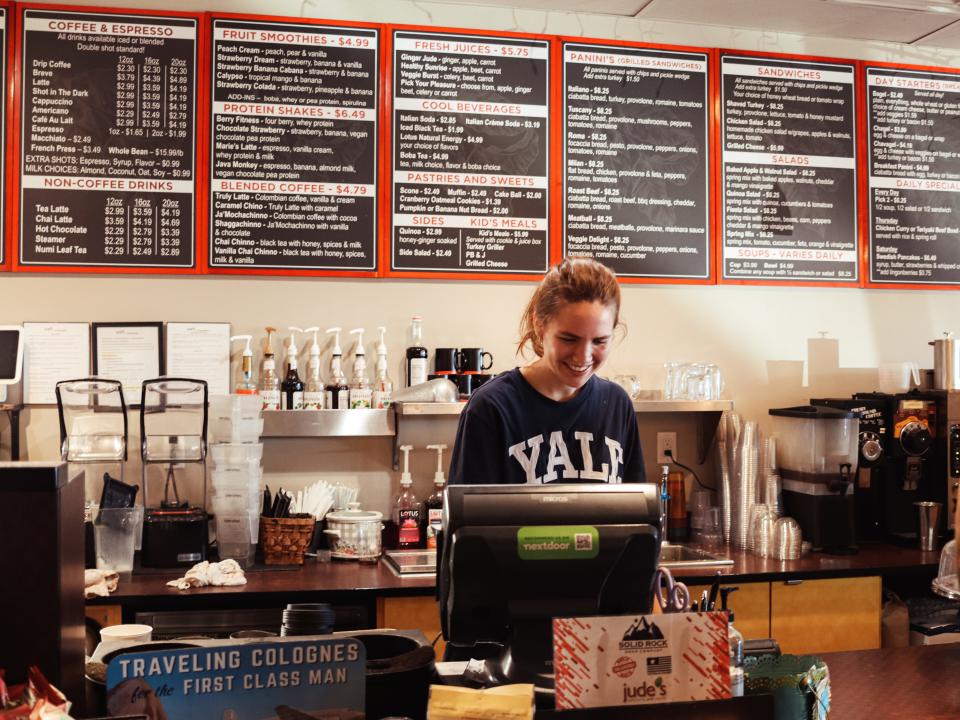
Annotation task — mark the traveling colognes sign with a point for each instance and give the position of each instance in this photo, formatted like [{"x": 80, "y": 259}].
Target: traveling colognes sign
[
  {"x": 640, "y": 659},
  {"x": 256, "y": 681}
]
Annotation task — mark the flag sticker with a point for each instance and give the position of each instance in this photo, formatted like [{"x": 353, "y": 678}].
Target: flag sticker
[{"x": 661, "y": 665}]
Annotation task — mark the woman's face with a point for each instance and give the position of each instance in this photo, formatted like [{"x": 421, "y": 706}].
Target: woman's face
[{"x": 576, "y": 342}]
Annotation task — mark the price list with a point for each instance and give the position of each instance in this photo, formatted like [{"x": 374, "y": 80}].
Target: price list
[
  {"x": 789, "y": 170},
  {"x": 107, "y": 142},
  {"x": 636, "y": 159},
  {"x": 294, "y": 139},
  {"x": 914, "y": 180},
  {"x": 470, "y": 153},
  {"x": 4, "y": 39}
]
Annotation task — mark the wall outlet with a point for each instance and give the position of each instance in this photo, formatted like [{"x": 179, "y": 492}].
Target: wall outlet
[{"x": 666, "y": 441}]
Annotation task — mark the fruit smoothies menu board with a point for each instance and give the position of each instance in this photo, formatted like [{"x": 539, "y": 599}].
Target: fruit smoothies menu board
[
  {"x": 107, "y": 144},
  {"x": 789, "y": 170},
  {"x": 293, "y": 159},
  {"x": 470, "y": 150},
  {"x": 913, "y": 142},
  {"x": 636, "y": 159}
]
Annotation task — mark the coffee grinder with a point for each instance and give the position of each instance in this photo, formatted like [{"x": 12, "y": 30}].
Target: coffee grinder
[
  {"x": 817, "y": 454},
  {"x": 173, "y": 432}
]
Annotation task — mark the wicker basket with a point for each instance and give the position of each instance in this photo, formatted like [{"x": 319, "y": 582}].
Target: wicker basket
[{"x": 284, "y": 540}]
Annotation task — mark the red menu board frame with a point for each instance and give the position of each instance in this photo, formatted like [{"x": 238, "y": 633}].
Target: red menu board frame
[
  {"x": 718, "y": 150},
  {"x": 863, "y": 134},
  {"x": 387, "y": 166},
  {"x": 207, "y": 113},
  {"x": 710, "y": 158},
  {"x": 16, "y": 128},
  {"x": 9, "y": 238}
]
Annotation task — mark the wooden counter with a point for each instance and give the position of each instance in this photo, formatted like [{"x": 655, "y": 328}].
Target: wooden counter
[{"x": 919, "y": 683}]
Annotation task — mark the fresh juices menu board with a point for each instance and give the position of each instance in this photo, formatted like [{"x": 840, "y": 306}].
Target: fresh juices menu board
[
  {"x": 107, "y": 139},
  {"x": 470, "y": 149},
  {"x": 913, "y": 205},
  {"x": 788, "y": 154},
  {"x": 293, "y": 150},
  {"x": 636, "y": 159}
]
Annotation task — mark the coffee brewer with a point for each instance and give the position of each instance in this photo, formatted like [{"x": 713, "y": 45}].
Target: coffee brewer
[{"x": 914, "y": 438}]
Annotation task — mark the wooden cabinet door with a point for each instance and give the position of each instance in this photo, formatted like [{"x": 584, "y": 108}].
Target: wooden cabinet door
[
  {"x": 751, "y": 608},
  {"x": 411, "y": 613},
  {"x": 819, "y": 616}
]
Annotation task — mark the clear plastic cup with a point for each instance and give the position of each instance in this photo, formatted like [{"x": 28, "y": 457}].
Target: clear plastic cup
[
  {"x": 115, "y": 537},
  {"x": 711, "y": 531}
]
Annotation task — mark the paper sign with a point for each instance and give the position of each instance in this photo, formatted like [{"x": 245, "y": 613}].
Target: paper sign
[
  {"x": 297, "y": 679},
  {"x": 640, "y": 659}
]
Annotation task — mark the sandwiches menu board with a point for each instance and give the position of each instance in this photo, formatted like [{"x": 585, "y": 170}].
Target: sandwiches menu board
[
  {"x": 788, "y": 154},
  {"x": 470, "y": 147},
  {"x": 107, "y": 139},
  {"x": 636, "y": 160},
  {"x": 293, "y": 148},
  {"x": 913, "y": 206}
]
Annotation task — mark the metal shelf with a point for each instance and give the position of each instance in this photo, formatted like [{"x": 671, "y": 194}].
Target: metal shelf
[
  {"x": 328, "y": 423},
  {"x": 428, "y": 408}
]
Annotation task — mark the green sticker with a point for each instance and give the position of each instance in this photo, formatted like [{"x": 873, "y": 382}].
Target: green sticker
[{"x": 558, "y": 542}]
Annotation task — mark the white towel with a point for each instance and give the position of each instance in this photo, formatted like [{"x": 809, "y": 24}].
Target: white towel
[
  {"x": 225, "y": 572},
  {"x": 99, "y": 583}
]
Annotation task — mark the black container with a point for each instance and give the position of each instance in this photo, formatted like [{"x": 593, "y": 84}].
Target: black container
[
  {"x": 307, "y": 619},
  {"x": 399, "y": 673}
]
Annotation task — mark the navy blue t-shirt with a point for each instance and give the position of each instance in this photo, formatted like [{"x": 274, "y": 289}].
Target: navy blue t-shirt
[{"x": 510, "y": 433}]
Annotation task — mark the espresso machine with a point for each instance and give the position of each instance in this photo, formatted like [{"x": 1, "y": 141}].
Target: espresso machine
[{"x": 911, "y": 444}]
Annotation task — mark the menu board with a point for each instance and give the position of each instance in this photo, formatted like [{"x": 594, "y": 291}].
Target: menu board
[
  {"x": 636, "y": 159},
  {"x": 107, "y": 145},
  {"x": 914, "y": 176},
  {"x": 788, "y": 154},
  {"x": 4, "y": 46},
  {"x": 470, "y": 147},
  {"x": 293, "y": 146}
]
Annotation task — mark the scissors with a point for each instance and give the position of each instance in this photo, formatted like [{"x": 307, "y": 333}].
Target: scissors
[{"x": 672, "y": 596}]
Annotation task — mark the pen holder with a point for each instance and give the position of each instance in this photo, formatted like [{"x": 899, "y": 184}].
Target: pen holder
[
  {"x": 800, "y": 685},
  {"x": 284, "y": 540}
]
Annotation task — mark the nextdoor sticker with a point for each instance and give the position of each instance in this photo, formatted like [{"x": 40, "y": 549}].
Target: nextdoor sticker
[{"x": 558, "y": 542}]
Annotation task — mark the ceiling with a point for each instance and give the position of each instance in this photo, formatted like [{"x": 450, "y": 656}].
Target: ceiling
[{"x": 922, "y": 23}]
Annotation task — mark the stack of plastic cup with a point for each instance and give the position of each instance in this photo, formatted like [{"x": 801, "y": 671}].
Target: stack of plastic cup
[{"x": 235, "y": 481}]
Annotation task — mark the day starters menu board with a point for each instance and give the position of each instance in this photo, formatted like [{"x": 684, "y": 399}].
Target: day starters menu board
[
  {"x": 107, "y": 144},
  {"x": 788, "y": 154},
  {"x": 293, "y": 152},
  {"x": 914, "y": 180},
  {"x": 470, "y": 152},
  {"x": 636, "y": 181}
]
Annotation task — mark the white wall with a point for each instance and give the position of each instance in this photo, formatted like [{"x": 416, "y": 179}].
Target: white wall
[{"x": 746, "y": 330}]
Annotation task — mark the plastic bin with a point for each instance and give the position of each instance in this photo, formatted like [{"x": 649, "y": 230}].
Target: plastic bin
[
  {"x": 231, "y": 478},
  {"x": 243, "y": 552},
  {"x": 238, "y": 528},
  {"x": 234, "y": 454},
  {"x": 236, "y": 430},
  {"x": 235, "y": 407}
]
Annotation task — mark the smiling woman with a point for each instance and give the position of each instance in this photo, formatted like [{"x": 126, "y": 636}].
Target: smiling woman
[{"x": 554, "y": 420}]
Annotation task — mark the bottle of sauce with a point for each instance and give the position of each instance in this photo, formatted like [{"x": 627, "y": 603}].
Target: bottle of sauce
[
  {"x": 269, "y": 382},
  {"x": 434, "y": 503},
  {"x": 407, "y": 509},
  {"x": 291, "y": 389},
  {"x": 336, "y": 393},
  {"x": 416, "y": 354}
]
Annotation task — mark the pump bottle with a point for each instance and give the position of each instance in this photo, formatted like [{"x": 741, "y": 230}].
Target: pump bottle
[
  {"x": 383, "y": 386},
  {"x": 434, "y": 503},
  {"x": 245, "y": 386},
  {"x": 360, "y": 391},
  {"x": 269, "y": 382},
  {"x": 313, "y": 389},
  {"x": 416, "y": 354},
  {"x": 407, "y": 511},
  {"x": 336, "y": 392},
  {"x": 291, "y": 389}
]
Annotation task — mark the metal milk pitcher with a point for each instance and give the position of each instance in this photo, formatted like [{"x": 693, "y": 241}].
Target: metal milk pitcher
[{"x": 946, "y": 363}]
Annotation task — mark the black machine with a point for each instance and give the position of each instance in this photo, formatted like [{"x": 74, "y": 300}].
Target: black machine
[
  {"x": 513, "y": 557},
  {"x": 909, "y": 452}
]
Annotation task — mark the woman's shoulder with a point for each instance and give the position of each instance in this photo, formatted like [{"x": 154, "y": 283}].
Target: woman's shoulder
[
  {"x": 610, "y": 392},
  {"x": 500, "y": 387}
]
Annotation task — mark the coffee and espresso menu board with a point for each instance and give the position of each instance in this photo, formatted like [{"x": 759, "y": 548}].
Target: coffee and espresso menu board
[
  {"x": 107, "y": 142},
  {"x": 636, "y": 185},
  {"x": 470, "y": 146},
  {"x": 913, "y": 140},
  {"x": 293, "y": 146},
  {"x": 789, "y": 164}
]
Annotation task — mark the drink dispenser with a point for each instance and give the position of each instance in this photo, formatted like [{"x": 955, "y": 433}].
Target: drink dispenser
[
  {"x": 173, "y": 436},
  {"x": 817, "y": 450}
]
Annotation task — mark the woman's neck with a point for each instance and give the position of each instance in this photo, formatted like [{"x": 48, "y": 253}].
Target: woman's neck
[{"x": 546, "y": 383}]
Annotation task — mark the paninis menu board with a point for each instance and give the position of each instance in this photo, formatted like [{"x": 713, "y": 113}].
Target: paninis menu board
[
  {"x": 470, "y": 147},
  {"x": 293, "y": 147},
  {"x": 107, "y": 139},
  {"x": 913, "y": 206},
  {"x": 636, "y": 160},
  {"x": 788, "y": 155}
]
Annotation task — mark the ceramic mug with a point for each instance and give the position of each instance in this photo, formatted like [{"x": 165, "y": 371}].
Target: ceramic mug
[{"x": 471, "y": 361}]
